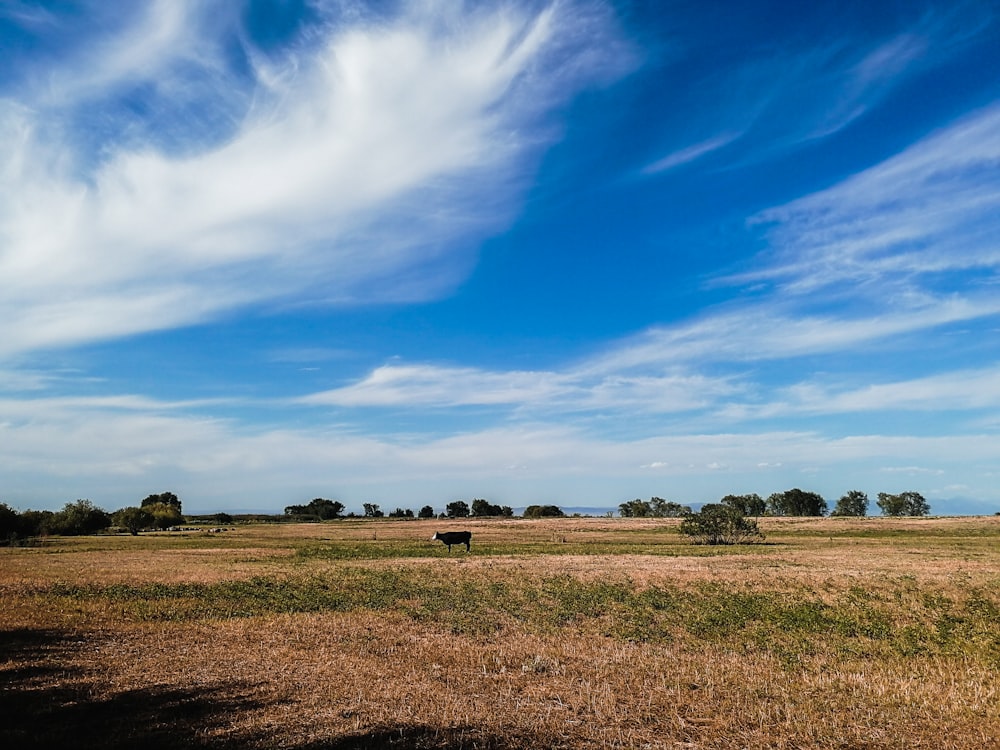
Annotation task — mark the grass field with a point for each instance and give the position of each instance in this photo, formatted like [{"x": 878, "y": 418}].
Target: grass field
[{"x": 568, "y": 633}]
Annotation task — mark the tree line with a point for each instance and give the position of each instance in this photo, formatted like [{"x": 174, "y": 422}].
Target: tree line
[
  {"x": 158, "y": 511},
  {"x": 793, "y": 502},
  {"x": 729, "y": 521},
  {"x": 321, "y": 509},
  {"x": 164, "y": 511}
]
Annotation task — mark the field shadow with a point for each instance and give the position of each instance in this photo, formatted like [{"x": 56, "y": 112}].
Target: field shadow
[{"x": 46, "y": 702}]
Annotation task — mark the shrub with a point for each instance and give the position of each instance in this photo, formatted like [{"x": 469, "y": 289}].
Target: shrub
[{"x": 719, "y": 524}]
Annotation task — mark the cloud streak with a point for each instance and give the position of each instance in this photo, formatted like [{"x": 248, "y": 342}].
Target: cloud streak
[
  {"x": 931, "y": 210},
  {"x": 771, "y": 102}
]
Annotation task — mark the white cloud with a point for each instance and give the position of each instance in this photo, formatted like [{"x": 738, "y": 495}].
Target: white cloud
[
  {"x": 962, "y": 389},
  {"x": 971, "y": 391},
  {"x": 161, "y": 34},
  {"x": 367, "y": 176},
  {"x": 664, "y": 369},
  {"x": 930, "y": 210},
  {"x": 912, "y": 470},
  {"x": 148, "y": 446},
  {"x": 572, "y": 390},
  {"x": 426, "y": 385},
  {"x": 776, "y": 100},
  {"x": 690, "y": 153},
  {"x": 772, "y": 330}
]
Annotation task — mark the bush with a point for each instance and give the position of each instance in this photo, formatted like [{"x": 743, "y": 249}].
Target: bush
[{"x": 719, "y": 524}]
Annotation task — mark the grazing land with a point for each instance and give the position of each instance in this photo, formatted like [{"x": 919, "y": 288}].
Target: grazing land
[{"x": 562, "y": 633}]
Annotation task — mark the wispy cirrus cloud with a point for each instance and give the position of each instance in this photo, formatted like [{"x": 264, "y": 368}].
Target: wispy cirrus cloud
[
  {"x": 974, "y": 391},
  {"x": 388, "y": 149},
  {"x": 931, "y": 210},
  {"x": 436, "y": 386},
  {"x": 775, "y": 330},
  {"x": 548, "y": 392},
  {"x": 160, "y": 37},
  {"x": 690, "y": 153},
  {"x": 773, "y": 101}
]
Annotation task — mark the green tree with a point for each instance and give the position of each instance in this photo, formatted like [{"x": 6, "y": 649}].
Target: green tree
[
  {"x": 484, "y": 508},
  {"x": 660, "y": 508},
  {"x": 634, "y": 509},
  {"x": 903, "y": 504},
  {"x": 426, "y": 512},
  {"x": 318, "y": 508},
  {"x": 749, "y": 505},
  {"x": 401, "y": 513},
  {"x": 133, "y": 519},
  {"x": 9, "y": 522},
  {"x": 853, "y": 503},
  {"x": 543, "y": 511},
  {"x": 372, "y": 510},
  {"x": 457, "y": 509},
  {"x": 81, "y": 517},
  {"x": 796, "y": 502},
  {"x": 164, "y": 515},
  {"x": 719, "y": 524},
  {"x": 36, "y": 522},
  {"x": 916, "y": 505},
  {"x": 165, "y": 498}
]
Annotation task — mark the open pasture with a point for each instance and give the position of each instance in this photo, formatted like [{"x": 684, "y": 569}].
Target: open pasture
[{"x": 562, "y": 633}]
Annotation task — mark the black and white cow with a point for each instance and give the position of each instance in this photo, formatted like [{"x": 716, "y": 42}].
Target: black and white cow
[{"x": 453, "y": 537}]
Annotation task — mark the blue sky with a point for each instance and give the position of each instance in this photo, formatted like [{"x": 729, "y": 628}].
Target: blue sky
[{"x": 570, "y": 252}]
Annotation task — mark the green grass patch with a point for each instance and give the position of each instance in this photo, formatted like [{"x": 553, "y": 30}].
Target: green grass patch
[{"x": 792, "y": 621}]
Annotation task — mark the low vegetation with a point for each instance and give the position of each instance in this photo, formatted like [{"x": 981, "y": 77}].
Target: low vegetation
[
  {"x": 829, "y": 633},
  {"x": 719, "y": 524}
]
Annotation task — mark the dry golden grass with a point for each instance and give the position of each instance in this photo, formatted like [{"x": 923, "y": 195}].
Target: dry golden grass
[{"x": 84, "y": 666}]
